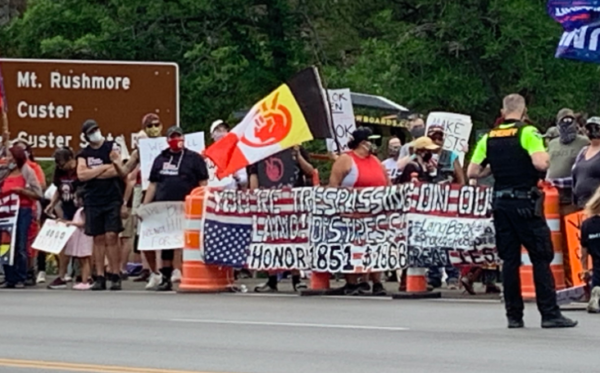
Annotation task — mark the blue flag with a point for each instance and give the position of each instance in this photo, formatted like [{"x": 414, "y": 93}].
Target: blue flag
[{"x": 581, "y": 23}]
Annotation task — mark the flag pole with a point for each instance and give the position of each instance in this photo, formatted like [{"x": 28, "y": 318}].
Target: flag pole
[{"x": 329, "y": 114}]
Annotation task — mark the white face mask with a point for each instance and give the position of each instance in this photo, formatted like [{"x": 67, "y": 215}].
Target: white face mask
[{"x": 96, "y": 136}]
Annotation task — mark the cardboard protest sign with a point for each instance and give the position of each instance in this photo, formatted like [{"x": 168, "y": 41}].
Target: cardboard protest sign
[
  {"x": 150, "y": 148},
  {"x": 342, "y": 112},
  {"x": 53, "y": 236},
  {"x": 350, "y": 230},
  {"x": 161, "y": 226},
  {"x": 9, "y": 213},
  {"x": 457, "y": 130}
]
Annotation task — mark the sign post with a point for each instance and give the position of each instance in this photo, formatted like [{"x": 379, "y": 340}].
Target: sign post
[{"x": 48, "y": 100}]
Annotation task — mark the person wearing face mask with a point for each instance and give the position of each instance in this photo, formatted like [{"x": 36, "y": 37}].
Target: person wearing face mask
[
  {"x": 359, "y": 168},
  {"x": 62, "y": 204},
  {"x": 37, "y": 212},
  {"x": 21, "y": 181},
  {"x": 421, "y": 161},
  {"x": 516, "y": 155},
  {"x": 100, "y": 170},
  {"x": 239, "y": 179},
  {"x": 391, "y": 163},
  {"x": 416, "y": 127},
  {"x": 176, "y": 171},
  {"x": 586, "y": 170}
]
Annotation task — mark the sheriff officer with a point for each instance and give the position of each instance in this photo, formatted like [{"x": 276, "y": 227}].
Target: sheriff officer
[{"x": 517, "y": 158}]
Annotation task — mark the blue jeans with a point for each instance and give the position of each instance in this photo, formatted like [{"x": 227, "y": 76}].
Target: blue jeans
[
  {"x": 434, "y": 275},
  {"x": 17, "y": 273}
]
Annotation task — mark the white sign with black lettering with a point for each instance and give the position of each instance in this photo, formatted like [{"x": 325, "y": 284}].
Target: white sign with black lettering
[
  {"x": 457, "y": 130},
  {"x": 53, "y": 236},
  {"x": 342, "y": 112},
  {"x": 150, "y": 148},
  {"x": 162, "y": 226}
]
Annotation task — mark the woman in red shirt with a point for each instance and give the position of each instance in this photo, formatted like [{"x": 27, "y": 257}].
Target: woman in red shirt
[
  {"x": 359, "y": 168},
  {"x": 20, "y": 181}
]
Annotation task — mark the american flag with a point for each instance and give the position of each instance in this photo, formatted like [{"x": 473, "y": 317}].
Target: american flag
[{"x": 226, "y": 243}]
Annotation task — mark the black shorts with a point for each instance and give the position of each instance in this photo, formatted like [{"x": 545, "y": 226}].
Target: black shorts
[{"x": 102, "y": 219}]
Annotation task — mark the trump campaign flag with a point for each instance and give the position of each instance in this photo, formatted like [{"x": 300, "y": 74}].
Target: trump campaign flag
[
  {"x": 580, "y": 20},
  {"x": 293, "y": 113}
]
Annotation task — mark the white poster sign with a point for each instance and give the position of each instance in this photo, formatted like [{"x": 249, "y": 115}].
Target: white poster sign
[
  {"x": 53, "y": 236},
  {"x": 161, "y": 226},
  {"x": 151, "y": 148},
  {"x": 457, "y": 130},
  {"x": 343, "y": 118}
]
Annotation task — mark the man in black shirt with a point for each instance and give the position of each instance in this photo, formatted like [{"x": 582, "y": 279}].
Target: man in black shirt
[
  {"x": 175, "y": 173},
  {"x": 98, "y": 167}
]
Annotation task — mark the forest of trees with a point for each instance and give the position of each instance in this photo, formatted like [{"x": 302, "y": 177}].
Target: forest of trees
[{"x": 460, "y": 56}]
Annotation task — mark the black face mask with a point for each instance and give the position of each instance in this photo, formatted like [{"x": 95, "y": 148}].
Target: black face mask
[{"x": 426, "y": 156}]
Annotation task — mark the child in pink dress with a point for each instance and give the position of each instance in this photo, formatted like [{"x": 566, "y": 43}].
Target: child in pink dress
[{"x": 80, "y": 246}]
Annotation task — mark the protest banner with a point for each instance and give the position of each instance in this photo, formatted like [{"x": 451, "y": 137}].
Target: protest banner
[
  {"x": 48, "y": 100},
  {"x": 457, "y": 130},
  {"x": 9, "y": 213},
  {"x": 350, "y": 230},
  {"x": 579, "y": 20},
  {"x": 342, "y": 113},
  {"x": 161, "y": 226},
  {"x": 53, "y": 236},
  {"x": 573, "y": 230},
  {"x": 150, "y": 148}
]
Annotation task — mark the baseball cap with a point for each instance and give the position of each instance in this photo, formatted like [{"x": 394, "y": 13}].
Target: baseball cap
[
  {"x": 551, "y": 133},
  {"x": 216, "y": 124},
  {"x": 564, "y": 113},
  {"x": 594, "y": 120},
  {"x": 435, "y": 128},
  {"x": 149, "y": 118},
  {"x": 88, "y": 125},
  {"x": 424, "y": 143},
  {"x": 363, "y": 134},
  {"x": 174, "y": 130}
]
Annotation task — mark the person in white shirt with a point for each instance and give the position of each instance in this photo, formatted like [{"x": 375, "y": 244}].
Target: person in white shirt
[
  {"x": 391, "y": 163},
  {"x": 239, "y": 179}
]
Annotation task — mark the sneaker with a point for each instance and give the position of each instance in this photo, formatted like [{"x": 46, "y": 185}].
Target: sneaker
[
  {"x": 364, "y": 287},
  {"x": 351, "y": 289},
  {"x": 68, "y": 278},
  {"x": 176, "y": 276},
  {"x": 594, "y": 303},
  {"x": 378, "y": 289},
  {"x": 515, "y": 323},
  {"x": 154, "y": 281},
  {"x": 143, "y": 277},
  {"x": 165, "y": 285},
  {"x": 57, "y": 284},
  {"x": 115, "y": 283},
  {"x": 492, "y": 289},
  {"x": 7, "y": 285},
  {"x": 99, "y": 284},
  {"x": 41, "y": 278},
  {"x": 265, "y": 288},
  {"x": 559, "y": 322},
  {"x": 82, "y": 286},
  {"x": 124, "y": 276},
  {"x": 20, "y": 285}
]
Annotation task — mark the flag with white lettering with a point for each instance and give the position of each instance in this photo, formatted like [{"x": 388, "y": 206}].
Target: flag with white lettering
[
  {"x": 580, "y": 20},
  {"x": 9, "y": 213}
]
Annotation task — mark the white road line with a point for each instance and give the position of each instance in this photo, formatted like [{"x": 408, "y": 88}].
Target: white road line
[{"x": 292, "y": 325}]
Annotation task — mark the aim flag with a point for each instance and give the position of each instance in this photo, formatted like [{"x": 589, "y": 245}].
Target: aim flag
[
  {"x": 580, "y": 20},
  {"x": 290, "y": 115}
]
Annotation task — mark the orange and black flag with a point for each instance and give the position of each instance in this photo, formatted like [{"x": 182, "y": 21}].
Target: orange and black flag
[{"x": 290, "y": 115}]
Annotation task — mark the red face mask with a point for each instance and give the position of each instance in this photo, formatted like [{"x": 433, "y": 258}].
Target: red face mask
[{"x": 176, "y": 143}]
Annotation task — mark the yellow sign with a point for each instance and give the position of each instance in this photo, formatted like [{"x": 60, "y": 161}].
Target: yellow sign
[
  {"x": 509, "y": 132},
  {"x": 365, "y": 119}
]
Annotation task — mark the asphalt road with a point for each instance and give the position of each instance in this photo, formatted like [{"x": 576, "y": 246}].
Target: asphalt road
[{"x": 234, "y": 333}]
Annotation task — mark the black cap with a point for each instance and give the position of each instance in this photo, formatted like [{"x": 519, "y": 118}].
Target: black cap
[
  {"x": 88, "y": 125},
  {"x": 174, "y": 130},
  {"x": 359, "y": 135}
]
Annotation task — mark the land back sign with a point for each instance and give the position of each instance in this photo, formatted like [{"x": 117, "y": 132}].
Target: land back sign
[{"x": 48, "y": 100}]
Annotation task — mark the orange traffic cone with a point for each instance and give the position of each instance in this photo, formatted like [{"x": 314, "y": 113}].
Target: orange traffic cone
[{"x": 198, "y": 277}]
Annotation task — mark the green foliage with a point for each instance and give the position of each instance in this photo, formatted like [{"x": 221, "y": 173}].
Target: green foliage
[{"x": 461, "y": 56}]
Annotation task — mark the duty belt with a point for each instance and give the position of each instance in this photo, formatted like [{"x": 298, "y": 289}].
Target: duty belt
[{"x": 512, "y": 194}]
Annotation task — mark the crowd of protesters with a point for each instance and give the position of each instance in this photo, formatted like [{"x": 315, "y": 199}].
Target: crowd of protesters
[{"x": 98, "y": 192}]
